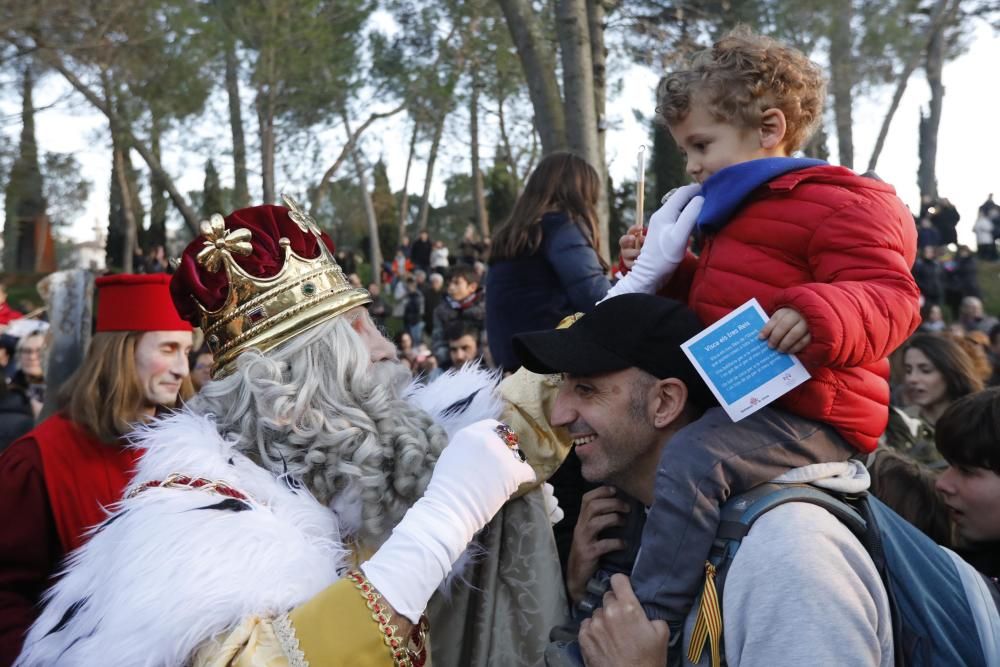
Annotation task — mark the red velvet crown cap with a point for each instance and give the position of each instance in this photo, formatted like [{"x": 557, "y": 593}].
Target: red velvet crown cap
[
  {"x": 128, "y": 302},
  {"x": 193, "y": 283}
]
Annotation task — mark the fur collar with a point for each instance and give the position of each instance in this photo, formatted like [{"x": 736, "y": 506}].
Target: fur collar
[{"x": 172, "y": 568}]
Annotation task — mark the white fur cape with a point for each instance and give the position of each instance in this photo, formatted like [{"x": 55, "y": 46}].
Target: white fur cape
[{"x": 172, "y": 568}]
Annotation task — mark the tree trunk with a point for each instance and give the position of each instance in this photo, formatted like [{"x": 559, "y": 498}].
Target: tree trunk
[
  {"x": 241, "y": 190},
  {"x": 842, "y": 75},
  {"x": 157, "y": 234},
  {"x": 265, "y": 123},
  {"x": 478, "y": 191},
  {"x": 929, "y": 124},
  {"x": 538, "y": 64},
  {"x": 425, "y": 205},
  {"x": 578, "y": 85},
  {"x": 126, "y": 191},
  {"x": 938, "y": 16},
  {"x": 598, "y": 56},
  {"x": 375, "y": 249},
  {"x": 404, "y": 205}
]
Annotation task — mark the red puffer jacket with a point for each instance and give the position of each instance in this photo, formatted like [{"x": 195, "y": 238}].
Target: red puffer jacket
[{"x": 836, "y": 247}]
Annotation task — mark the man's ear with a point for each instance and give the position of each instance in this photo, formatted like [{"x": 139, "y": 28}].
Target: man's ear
[
  {"x": 669, "y": 402},
  {"x": 772, "y": 129}
]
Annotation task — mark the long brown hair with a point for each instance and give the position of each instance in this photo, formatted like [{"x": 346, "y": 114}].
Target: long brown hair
[
  {"x": 561, "y": 182},
  {"x": 104, "y": 395},
  {"x": 955, "y": 365}
]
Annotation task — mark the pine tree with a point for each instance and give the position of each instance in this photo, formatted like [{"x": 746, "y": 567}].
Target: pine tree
[
  {"x": 386, "y": 208},
  {"x": 24, "y": 199},
  {"x": 212, "y": 199}
]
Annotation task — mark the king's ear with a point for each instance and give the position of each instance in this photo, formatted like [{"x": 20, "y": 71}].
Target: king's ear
[{"x": 772, "y": 129}]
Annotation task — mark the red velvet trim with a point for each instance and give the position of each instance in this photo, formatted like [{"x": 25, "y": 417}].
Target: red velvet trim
[{"x": 82, "y": 476}]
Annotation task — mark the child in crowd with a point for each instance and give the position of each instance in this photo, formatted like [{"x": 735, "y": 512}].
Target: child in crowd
[
  {"x": 464, "y": 303},
  {"x": 968, "y": 436},
  {"x": 825, "y": 251}
]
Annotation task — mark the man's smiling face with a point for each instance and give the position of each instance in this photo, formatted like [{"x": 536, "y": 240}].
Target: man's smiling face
[{"x": 608, "y": 417}]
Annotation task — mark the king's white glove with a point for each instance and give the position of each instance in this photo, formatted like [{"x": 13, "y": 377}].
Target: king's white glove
[
  {"x": 475, "y": 475},
  {"x": 666, "y": 242}
]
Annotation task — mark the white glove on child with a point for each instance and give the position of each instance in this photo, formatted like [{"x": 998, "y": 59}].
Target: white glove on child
[
  {"x": 666, "y": 242},
  {"x": 475, "y": 475}
]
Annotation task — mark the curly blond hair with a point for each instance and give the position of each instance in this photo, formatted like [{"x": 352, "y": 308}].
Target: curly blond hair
[{"x": 743, "y": 75}]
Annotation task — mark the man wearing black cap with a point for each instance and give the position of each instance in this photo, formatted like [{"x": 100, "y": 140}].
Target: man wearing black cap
[{"x": 629, "y": 392}]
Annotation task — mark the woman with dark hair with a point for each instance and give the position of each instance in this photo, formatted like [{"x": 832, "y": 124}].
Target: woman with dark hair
[
  {"x": 545, "y": 259},
  {"x": 545, "y": 264},
  {"x": 937, "y": 373}
]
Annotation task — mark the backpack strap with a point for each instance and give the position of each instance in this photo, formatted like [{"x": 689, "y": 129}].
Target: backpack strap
[{"x": 737, "y": 517}]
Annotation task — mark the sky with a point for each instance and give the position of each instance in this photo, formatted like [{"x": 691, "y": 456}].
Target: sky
[{"x": 968, "y": 164}]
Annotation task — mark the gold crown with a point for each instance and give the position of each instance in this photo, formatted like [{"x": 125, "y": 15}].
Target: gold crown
[{"x": 264, "y": 312}]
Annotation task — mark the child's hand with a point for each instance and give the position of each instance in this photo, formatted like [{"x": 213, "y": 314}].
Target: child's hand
[
  {"x": 786, "y": 331},
  {"x": 629, "y": 245}
]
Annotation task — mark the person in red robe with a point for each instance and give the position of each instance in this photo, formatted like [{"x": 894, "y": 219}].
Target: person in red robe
[
  {"x": 7, "y": 314},
  {"x": 58, "y": 480}
]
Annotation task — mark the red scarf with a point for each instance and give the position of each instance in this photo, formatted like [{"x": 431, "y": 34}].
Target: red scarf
[{"x": 82, "y": 475}]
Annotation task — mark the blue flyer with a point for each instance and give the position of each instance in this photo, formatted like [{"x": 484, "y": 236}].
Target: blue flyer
[{"x": 740, "y": 369}]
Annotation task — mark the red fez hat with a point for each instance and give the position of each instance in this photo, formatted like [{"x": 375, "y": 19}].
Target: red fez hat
[{"x": 128, "y": 302}]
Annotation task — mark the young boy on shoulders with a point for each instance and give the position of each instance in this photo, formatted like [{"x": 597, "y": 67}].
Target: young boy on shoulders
[{"x": 825, "y": 251}]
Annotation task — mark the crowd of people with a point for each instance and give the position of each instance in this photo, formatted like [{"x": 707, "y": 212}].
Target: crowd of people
[{"x": 245, "y": 470}]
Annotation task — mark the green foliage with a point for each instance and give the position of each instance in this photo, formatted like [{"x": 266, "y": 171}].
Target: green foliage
[
  {"x": 307, "y": 52},
  {"x": 501, "y": 192},
  {"x": 667, "y": 166},
  {"x": 66, "y": 188},
  {"x": 383, "y": 200}
]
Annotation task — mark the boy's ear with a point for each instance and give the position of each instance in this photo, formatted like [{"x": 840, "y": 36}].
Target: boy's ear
[{"x": 772, "y": 129}]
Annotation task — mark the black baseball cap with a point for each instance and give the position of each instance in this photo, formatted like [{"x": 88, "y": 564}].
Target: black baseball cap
[{"x": 632, "y": 330}]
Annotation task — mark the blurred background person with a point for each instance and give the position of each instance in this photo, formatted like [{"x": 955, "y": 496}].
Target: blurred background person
[
  {"x": 463, "y": 303},
  {"x": 932, "y": 318},
  {"x": 433, "y": 291},
  {"x": 377, "y": 308},
  {"x": 972, "y": 317},
  {"x": 29, "y": 379},
  {"x": 413, "y": 311},
  {"x": 439, "y": 258},
  {"x": 463, "y": 344},
  {"x": 929, "y": 276},
  {"x": 420, "y": 252},
  {"x": 202, "y": 360},
  {"x": 7, "y": 313},
  {"x": 937, "y": 373},
  {"x": 545, "y": 262}
]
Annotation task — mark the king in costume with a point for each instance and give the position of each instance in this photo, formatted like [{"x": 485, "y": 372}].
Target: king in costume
[{"x": 308, "y": 503}]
